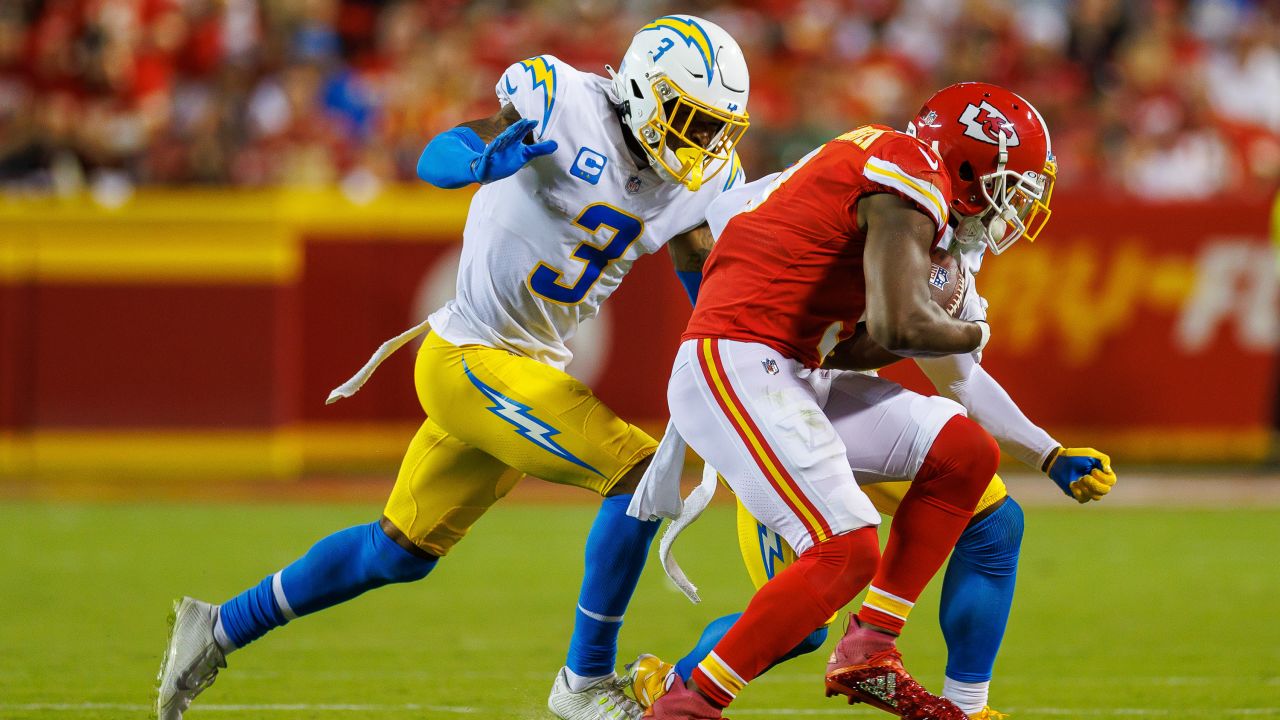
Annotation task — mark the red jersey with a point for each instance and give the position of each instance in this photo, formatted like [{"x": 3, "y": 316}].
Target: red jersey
[{"x": 787, "y": 269}]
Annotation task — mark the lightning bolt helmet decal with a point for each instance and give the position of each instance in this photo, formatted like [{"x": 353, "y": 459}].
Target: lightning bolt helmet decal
[{"x": 692, "y": 34}]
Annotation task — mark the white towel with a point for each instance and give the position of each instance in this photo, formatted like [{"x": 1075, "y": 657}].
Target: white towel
[
  {"x": 658, "y": 495},
  {"x": 384, "y": 351},
  {"x": 693, "y": 507}
]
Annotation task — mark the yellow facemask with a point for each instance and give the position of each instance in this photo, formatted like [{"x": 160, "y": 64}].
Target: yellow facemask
[{"x": 689, "y": 139}]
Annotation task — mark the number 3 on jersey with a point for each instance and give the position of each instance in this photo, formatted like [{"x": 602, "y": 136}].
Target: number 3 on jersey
[{"x": 548, "y": 282}]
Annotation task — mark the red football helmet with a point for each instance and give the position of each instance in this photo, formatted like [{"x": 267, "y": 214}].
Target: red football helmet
[{"x": 996, "y": 148}]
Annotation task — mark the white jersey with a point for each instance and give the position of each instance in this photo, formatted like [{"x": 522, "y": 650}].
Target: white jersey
[{"x": 545, "y": 247}]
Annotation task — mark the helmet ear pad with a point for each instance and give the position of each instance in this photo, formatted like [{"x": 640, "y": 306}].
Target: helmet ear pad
[{"x": 964, "y": 188}]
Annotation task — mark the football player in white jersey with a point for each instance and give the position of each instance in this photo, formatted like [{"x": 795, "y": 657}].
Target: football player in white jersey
[{"x": 580, "y": 175}]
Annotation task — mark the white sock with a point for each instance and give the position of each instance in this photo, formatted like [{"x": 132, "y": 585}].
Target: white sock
[
  {"x": 578, "y": 683},
  {"x": 220, "y": 636},
  {"x": 971, "y": 697}
]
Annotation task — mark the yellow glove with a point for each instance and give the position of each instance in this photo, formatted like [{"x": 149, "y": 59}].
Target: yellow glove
[{"x": 1083, "y": 473}]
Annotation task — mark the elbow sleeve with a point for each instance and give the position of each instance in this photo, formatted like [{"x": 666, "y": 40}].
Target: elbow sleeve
[{"x": 447, "y": 160}]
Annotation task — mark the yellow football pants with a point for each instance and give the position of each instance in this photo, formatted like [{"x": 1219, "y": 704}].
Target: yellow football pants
[
  {"x": 765, "y": 553},
  {"x": 493, "y": 417}
]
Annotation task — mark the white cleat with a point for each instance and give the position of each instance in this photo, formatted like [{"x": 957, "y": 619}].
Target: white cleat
[
  {"x": 192, "y": 659},
  {"x": 605, "y": 700}
]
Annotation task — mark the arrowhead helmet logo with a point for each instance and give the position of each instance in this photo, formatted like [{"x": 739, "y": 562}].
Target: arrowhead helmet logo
[{"x": 984, "y": 122}]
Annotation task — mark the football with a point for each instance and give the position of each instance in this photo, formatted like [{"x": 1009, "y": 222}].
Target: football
[{"x": 946, "y": 281}]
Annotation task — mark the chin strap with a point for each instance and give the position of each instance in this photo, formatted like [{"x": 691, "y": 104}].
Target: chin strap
[
  {"x": 999, "y": 222},
  {"x": 691, "y": 158},
  {"x": 620, "y": 103}
]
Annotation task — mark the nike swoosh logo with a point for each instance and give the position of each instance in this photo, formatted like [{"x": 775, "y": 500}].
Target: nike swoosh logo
[
  {"x": 510, "y": 90},
  {"x": 928, "y": 157}
]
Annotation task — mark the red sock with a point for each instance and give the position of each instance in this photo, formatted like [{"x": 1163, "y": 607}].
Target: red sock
[
  {"x": 802, "y": 597},
  {"x": 930, "y": 519}
]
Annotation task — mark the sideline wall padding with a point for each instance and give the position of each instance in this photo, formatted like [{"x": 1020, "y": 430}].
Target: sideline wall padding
[{"x": 196, "y": 333}]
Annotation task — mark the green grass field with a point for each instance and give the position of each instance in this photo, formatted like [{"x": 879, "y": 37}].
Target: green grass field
[{"x": 1120, "y": 613}]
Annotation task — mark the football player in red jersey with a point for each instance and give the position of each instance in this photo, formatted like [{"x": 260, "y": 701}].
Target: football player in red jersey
[
  {"x": 841, "y": 237},
  {"x": 886, "y": 438}
]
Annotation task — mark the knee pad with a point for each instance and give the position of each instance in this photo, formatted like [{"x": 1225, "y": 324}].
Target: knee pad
[
  {"x": 959, "y": 466},
  {"x": 993, "y": 543},
  {"x": 962, "y": 449},
  {"x": 980, "y": 449}
]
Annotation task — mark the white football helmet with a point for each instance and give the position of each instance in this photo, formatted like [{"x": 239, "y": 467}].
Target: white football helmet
[{"x": 683, "y": 87}]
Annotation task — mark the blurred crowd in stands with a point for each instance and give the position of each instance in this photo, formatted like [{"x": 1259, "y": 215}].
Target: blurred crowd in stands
[{"x": 1164, "y": 99}]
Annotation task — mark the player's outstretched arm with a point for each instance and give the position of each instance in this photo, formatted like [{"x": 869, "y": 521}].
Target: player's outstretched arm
[
  {"x": 961, "y": 378},
  {"x": 481, "y": 150},
  {"x": 689, "y": 252},
  {"x": 1082, "y": 473},
  {"x": 900, "y": 314}
]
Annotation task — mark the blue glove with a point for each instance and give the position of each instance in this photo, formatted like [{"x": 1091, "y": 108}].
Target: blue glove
[
  {"x": 1083, "y": 473},
  {"x": 458, "y": 157},
  {"x": 508, "y": 153}
]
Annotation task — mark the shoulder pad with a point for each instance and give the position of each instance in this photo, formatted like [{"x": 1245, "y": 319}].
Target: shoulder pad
[
  {"x": 532, "y": 86},
  {"x": 908, "y": 168}
]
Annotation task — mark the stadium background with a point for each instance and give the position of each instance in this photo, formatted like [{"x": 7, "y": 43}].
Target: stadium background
[{"x": 208, "y": 219}]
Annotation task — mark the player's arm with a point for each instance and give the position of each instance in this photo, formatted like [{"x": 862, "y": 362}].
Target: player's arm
[
  {"x": 860, "y": 353},
  {"x": 488, "y": 129},
  {"x": 689, "y": 252},
  {"x": 481, "y": 151},
  {"x": 901, "y": 316},
  {"x": 1082, "y": 473}
]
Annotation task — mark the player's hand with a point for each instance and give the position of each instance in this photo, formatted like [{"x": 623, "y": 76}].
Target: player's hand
[
  {"x": 508, "y": 153},
  {"x": 1083, "y": 473}
]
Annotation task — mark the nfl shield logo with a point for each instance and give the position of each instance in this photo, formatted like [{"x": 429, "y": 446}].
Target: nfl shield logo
[
  {"x": 938, "y": 277},
  {"x": 633, "y": 184},
  {"x": 770, "y": 366}
]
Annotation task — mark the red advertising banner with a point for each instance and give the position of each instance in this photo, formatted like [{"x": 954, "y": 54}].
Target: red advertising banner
[
  {"x": 1150, "y": 327},
  {"x": 1147, "y": 328},
  {"x": 214, "y": 325}
]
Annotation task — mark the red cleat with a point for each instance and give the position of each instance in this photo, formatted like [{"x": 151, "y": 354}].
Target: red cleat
[
  {"x": 881, "y": 682},
  {"x": 866, "y": 667},
  {"x": 681, "y": 703}
]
